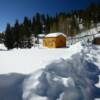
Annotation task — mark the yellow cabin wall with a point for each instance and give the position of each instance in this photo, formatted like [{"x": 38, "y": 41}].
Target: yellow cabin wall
[
  {"x": 97, "y": 40},
  {"x": 60, "y": 41},
  {"x": 49, "y": 42},
  {"x": 54, "y": 42}
]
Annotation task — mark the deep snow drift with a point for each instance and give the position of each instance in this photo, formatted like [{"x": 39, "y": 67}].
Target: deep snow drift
[
  {"x": 11, "y": 86},
  {"x": 68, "y": 74},
  {"x": 66, "y": 79}
]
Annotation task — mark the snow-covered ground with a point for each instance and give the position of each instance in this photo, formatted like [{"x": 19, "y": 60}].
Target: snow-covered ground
[
  {"x": 74, "y": 78},
  {"x": 50, "y": 74},
  {"x": 29, "y": 60}
]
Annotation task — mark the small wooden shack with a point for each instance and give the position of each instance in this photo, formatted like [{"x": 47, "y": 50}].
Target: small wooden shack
[
  {"x": 54, "y": 40},
  {"x": 96, "y": 39}
]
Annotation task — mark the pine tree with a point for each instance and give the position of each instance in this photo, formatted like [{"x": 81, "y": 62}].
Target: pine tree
[
  {"x": 27, "y": 33},
  {"x": 9, "y": 37},
  {"x": 43, "y": 23},
  {"x": 48, "y": 21},
  {"x": 17, "y": 36},
  {"x": 38, "y": 25},
  {"x": 33, "y": 25}
]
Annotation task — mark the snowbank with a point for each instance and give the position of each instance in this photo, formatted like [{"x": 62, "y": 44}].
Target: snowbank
[
  {"x": 63, "y": 74},
  {"x": 71, "y": 79},
  {"x": 11, "y": 86},
  {"x": 2, "y": 47},
  {"x": 97, "y": 35}
]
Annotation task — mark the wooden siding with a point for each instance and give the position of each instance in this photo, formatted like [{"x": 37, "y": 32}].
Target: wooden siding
[
  {"x": 54, "y": 42},
  {"x": 96, "y": 41}
]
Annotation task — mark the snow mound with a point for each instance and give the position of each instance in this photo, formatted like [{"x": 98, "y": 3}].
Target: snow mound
[
  {"x": 97, "y": 35},
  {"x": 11, "y": 86},
  {"x": 71, "y": 79},
  {"x": 2, "y": 47}
]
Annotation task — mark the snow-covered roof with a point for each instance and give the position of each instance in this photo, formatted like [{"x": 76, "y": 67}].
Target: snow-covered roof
[
  {"x": 98, "y": 28},
  {"x": 93, "y": 31},
  {"x": 55, "y": 34},
  {"x": 97, "y": 35},
  {"x": 41, "y": 35}
]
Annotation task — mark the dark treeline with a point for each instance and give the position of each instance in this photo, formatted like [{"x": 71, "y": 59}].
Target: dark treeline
[{"x": 20, "y": 35}]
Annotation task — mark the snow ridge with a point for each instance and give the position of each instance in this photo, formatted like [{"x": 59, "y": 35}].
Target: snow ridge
[{"x": 71, "y": 79}]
